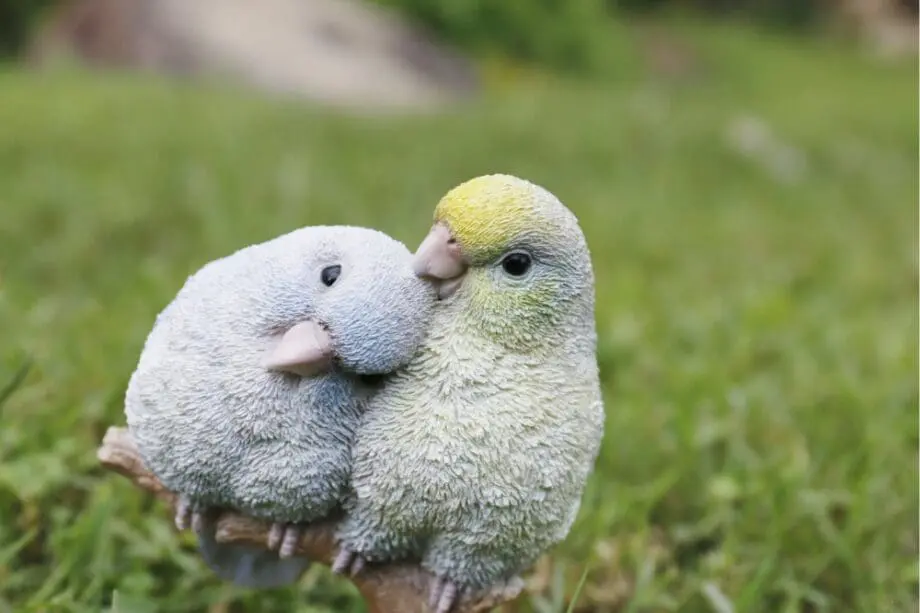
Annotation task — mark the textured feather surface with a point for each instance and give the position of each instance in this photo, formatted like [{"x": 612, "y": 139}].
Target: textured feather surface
[
  {"x": 214, "y": 425},
  {"x": 474, "y": 457}
]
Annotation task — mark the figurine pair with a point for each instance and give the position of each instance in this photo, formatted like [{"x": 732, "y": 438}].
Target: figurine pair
[{"x": 447, "y": 402}]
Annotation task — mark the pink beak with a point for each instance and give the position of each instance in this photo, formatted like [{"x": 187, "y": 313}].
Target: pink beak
[
  {"x": 439, "y": 258},
  {"x": 305, "y": 350}
]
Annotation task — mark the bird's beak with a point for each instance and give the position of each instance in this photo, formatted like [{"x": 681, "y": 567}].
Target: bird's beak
[
  {"x": 440, "y": 259},
  {"x": 305, "y": 350}
]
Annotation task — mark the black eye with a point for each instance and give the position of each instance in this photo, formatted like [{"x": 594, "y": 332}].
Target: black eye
[
  {"x": 516, "y": 264},
  {"x": 330, "y": 274}
]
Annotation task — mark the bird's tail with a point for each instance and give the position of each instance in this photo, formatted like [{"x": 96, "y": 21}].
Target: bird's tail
[{"x": 249, "y": 567}]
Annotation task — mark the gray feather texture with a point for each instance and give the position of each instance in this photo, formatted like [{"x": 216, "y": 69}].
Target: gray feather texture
[
  {"x": 217, "y": 427},
  {"x": 475, "y": 456}
]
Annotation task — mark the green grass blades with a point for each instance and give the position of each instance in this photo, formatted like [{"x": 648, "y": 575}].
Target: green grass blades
[{"x": 754, "y": 236}]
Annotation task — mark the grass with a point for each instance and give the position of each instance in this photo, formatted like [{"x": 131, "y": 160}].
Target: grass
[{"x": 756, "y": 310}]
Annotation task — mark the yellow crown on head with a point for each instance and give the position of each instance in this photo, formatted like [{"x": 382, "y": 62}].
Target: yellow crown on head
[{"x": 485, "y": 213}]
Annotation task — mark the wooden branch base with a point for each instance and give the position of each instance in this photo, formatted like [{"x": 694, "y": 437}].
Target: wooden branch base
[{"x": 391, "y": 588}]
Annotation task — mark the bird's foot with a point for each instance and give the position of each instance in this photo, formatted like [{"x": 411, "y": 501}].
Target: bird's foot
[
  {"x": 190, "y": 515},
  {"x": 348, "y": 562},
  {"x": 444, "y": 595},
  {"x": 284, "y": 538}
]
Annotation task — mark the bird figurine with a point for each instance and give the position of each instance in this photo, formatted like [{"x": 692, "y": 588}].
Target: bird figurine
[
  {"x": 250, "y": 385},
  {"x": 473, "y": 458}
]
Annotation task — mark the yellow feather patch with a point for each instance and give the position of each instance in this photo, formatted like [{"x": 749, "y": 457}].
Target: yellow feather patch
[{"x": 484, "y": 214}]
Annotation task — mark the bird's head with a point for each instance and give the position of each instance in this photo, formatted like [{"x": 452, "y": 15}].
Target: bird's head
[
  {"x": 351, "y": 300},
  {"x": 513, "y": 254}
]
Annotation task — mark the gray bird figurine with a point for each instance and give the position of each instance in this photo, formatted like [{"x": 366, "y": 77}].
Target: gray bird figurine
[{"x": 250, "y": 386}]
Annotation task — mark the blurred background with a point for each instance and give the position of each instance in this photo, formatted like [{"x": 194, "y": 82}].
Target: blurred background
[{"x": 746, "y": 174}]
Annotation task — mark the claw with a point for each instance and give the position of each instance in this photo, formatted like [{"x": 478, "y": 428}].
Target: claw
[
  {"x": 198, "y": 522},
  {"x": 183, "y": 513},
  {"x": 434, "y": 595},
  {"x": 443, "y": 595},
  {"x": 275, "y": 536},
  {"x": 348, "y": 562},
  {"x": 290, "y": 542},
  {"x": 191, "y": 515},
  {"x": 343, "y": 561},
  {"x": 284, "y": 539}
]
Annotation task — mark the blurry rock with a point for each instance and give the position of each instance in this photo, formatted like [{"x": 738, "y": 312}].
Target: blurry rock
[
  {"x": 888, "y": 27},
  {"x": 341, "y": 52}
]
